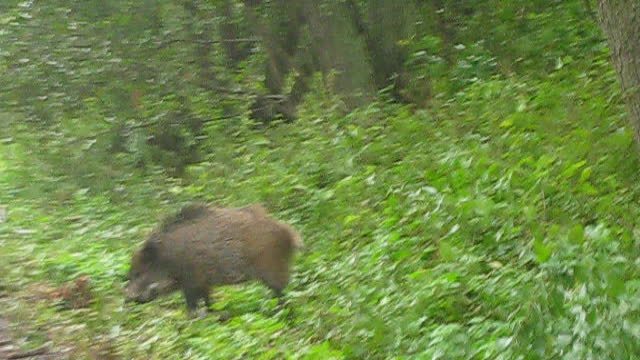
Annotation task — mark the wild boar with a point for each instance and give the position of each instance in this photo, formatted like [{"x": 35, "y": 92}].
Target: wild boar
[{"x": 202, "y": 246}]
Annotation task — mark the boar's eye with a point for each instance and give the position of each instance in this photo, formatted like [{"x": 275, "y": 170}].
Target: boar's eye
[{"x": 131, "y": 275}]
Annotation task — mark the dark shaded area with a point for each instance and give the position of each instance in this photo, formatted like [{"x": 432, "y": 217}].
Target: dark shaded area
[{"x": 152, "y": 78}]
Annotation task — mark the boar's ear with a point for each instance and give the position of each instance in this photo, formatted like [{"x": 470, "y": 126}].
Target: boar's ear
[{"x": 149, "y": 250}]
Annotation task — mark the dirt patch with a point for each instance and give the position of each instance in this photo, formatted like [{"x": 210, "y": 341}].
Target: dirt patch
[
  {"x": 9, "y": 350},
  {"x": 74, "y": 294},
  {"x": 26, "y": 335}
]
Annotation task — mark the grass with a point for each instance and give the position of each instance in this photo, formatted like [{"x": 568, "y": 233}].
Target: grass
[{"x": 498, "y": 225}]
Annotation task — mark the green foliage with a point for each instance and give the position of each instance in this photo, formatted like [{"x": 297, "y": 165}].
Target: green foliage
[
  {"x": 498, "y": 225},
  {"x": 146, "y": 75}
]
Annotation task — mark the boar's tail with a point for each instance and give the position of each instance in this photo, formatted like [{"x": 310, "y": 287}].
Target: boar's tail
[{"x": 294, "y": 237}]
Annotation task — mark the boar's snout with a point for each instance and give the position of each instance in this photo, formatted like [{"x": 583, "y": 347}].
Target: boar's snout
[
  {"x": 133, "y": 293},
  {"x": 141, "y": 292}
]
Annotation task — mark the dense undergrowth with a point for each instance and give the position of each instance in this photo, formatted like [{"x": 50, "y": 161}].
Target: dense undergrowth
[{"x": 500, "y": 224}]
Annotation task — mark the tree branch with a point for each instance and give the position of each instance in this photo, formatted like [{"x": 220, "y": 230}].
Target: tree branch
[
  {"x": 163, "y": 44},
  {"x": 278, "y": 98}
]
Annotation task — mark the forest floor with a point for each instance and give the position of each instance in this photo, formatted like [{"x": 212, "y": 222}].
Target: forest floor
[
  {"x": 508, "y": 229},
  {"x": 10, "y": 349}
]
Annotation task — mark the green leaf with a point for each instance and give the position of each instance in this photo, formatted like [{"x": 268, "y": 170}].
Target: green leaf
[
  {"x": 542, "y": 251},
  {"x": 615, "y": 285},
  {"x": 576, "y": 234},
  {"x": 506, "y": 123},
  {"x": 446, "y": 250},
  {"x": 588, "y": 189},
  {"x": 323, "y": 351},
  {"x": 571, "y": 170},
  {"x": 586, "y": 174}
]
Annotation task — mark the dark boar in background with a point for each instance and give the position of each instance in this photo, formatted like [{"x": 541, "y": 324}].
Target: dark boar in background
[{"x": 202, "y": 246}]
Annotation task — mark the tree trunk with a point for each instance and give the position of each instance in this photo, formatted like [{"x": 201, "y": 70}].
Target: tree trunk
[
  {"x": 229, "y": 30},
  {"x": 206, "y": 78},
  {"x": 281, "y": 37},
  {"x": 381, "y": 33},
  {"x": 620, "y": 20}
]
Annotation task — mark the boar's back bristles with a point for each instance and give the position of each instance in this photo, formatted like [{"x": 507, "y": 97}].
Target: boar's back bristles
[{"x": 187, "y": 213}]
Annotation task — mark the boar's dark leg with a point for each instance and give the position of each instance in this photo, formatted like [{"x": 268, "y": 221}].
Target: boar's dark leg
[
  {"x": 207, "y": 299},
  {"x": 276, "y": 285},
  {"x": 276, "y": 277},
  {"x": 283, "y": 304},
  {"x": 280, "y": 295},
  {"x": 191, "y": 297}
]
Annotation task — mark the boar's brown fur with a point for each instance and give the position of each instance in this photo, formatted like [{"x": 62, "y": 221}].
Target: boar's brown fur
[{"x": 202, "y": 246}]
